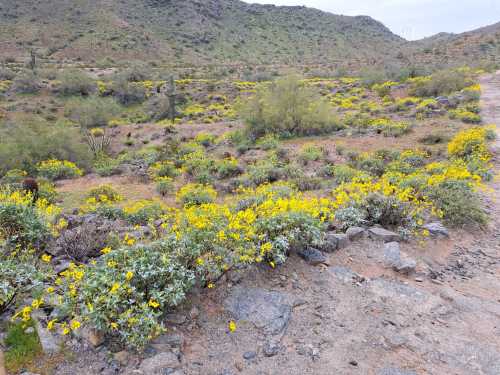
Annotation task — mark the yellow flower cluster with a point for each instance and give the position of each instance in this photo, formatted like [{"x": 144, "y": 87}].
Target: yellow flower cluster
[{"x": 470, "y": 143}]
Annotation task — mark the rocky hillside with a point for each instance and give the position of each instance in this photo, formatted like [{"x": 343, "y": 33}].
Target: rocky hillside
[
  {"x": 447, "y": 49},
  {"x": 191, "y": 31}
]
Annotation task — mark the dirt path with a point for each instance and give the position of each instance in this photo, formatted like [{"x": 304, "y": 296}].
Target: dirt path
[{"x": 353, "y": 317}]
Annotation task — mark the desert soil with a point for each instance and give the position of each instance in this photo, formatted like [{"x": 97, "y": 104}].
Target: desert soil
[{"x": 354, "y": 316}]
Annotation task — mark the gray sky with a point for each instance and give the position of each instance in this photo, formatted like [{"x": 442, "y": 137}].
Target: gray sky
[{"x": 412, "y": 19}]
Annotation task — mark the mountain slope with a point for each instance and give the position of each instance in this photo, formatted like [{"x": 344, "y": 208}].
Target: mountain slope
[
  {"x": 481, "y": 45},
  {"x": 194, "y": 31}
]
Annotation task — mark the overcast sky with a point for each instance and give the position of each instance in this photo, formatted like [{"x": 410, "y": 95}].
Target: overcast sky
[{"x": 412, "y": 19}]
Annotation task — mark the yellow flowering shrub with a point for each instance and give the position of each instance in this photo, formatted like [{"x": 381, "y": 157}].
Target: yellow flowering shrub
[
  {"x": 196, "y": 194},
  {"x": 58, "y": 169}
]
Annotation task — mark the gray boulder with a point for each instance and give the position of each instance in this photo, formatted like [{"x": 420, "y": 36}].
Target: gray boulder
[
  {"x": 268, "y": 310},
  {"x": 312, "y": 256},
  {"x": 355, "y": 233},
  {"x": 383, "y": 234},
  {"x": 437, "y": 229}
]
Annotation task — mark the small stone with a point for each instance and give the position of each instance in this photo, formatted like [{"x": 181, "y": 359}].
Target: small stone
[
  {"x": 383, "y": 234},
  {"x": 312, "y": 256},
  {"x": 406, "y": 265},
  {"x": 355, "y": 233},
  {"x": 249, "y": 355},
  {"x": 172, "y": 340},
  {"x": 271, "y": 349},
  {"x": 353, "y": 363},
  {"x": 29, "y": 330},
  {"x": 392, "y": 254},
  {"x": 159, "y": 363},
  {"x": 437, "y": 229}
]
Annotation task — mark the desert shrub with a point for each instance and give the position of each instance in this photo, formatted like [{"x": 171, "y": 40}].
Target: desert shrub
[
  {"x": 164, "y": 185},
  {"x": 384, "y": 210},
  {"x": 129, "y": 93},
  {"x": 26, "y": 82},
  {"x": 104, "y": 193},
  {"x": 350, "y": 216},
  {"x": 287, "y": 108},
  {"x": 143, "y": 211},
  {"x": 310, "y": 152},
  {"x": 227, "y": 168},
  {"x": 105, "y": 166},
  {"x": 127, "y": 291},
  {"x": 196, "y": 194},
  {"x": 205, "y": 139},
  {"x": 23, "y": 225},
  {"x": 441, "y": 83},
  {"x": 92, "y": 112},
  {"x": 136, "y": 73},
  {"x": 74, "y": 82},
  {"x": 6, "y": 74},
  {"x": 458, "y": 203},
  {"x": 472, "y": 93},
  {"x": 469, "y": 144},
  {"x": 264, "y": 171},
  {"x": 20, "y": 277},
  {"x": 344, "y": 173},
  {"x": 384, "y": 89},
  {"x": 433, "y": 139},
  {"x": 307, "y": 183},
  {"x": 24, "y": 144},
  {"x": 267, "y": 142},
  {"x": 465, "y": 115},
  {"x": 58, "y": 169},
  {"x": 163, "y": 169}
]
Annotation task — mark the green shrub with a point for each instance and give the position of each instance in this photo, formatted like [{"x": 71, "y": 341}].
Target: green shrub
[
  {"x": 129, "y": 93},
  {"x": 6, "y": 74},
  {"x": 104, "y": 193},
  {"x": 195, "y": 195},
  {"x": 23, "y": 145},
  {"x": 74, "y": 82},
  {"x": 22, "y": 224},
  {"x": 344, "y": 173},
  {"x": 164, "y": 185},
  {"x": 92, "y": 112},
  {"x": 26, "y": 82},
  {"x": 125, "y": 294},
  {"x": 287, "y": 108},
  {"x": 268, "y": 142},
  {"x": 441, "y": 83},
  {"x": 23, "y": 346},
  {"x": 58, "y": 169},
  {"x": 311, "y": 152},
  {"x": 459, "y": 204}
]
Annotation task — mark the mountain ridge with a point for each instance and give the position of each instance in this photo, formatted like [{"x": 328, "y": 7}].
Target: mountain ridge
[{"x": 211, "y": 31}]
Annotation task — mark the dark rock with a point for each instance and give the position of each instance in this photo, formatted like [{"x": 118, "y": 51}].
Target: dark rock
[
  {"x": 353, "y": 363},
  {"x": 330, "y": 243},
  {"x": 383, "y": 234},
  {"x": 249, "y": 355},
  {"x": 269, "y": 311},
  {"x": 437, "y": 229},
  {"x": 92, "y": 336},
  {"x": 342, "y": 240},
  {"x": 312, "y": 256},
  {"x": 354, "y": 233}
]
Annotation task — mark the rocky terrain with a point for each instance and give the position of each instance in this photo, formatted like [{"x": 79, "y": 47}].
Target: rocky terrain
[{"x": 374, "y": 305}]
